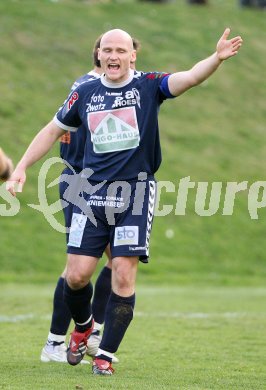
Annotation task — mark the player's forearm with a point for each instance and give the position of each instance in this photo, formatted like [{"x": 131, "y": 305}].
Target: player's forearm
[
  {"x": 204, "y": 69},
  {"x": 180, "y": 82},
  {"x": 40, "y": 145}
]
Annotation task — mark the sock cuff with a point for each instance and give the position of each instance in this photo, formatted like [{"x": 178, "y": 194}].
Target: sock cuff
[
  {"x": 97, "y": 326},
  {"x": 100, "y": 351},
  {"x": 123, "y": 300},
  {"x": 56, "y": 337},
  {"x": 86, "y": 322},
  {"x": 86, "y": 290}
]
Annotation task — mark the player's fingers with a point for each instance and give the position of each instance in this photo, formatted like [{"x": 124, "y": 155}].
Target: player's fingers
[
  {"x": 236, "y": 40},
  {"x": 14, "y": 186},
  {"x": 237, "y": 46},
  {"x": 226, "y": 33},
  {"x": 19, "y": 186},
  {"x": 10, "y": 186}
]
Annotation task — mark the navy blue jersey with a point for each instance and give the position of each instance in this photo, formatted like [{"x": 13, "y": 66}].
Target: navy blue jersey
[
  {"x": 122, "y": 124},
  {"x": 72, "y": 144}
]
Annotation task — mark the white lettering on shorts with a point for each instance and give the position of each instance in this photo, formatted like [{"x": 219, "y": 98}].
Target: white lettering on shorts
[
  {"x": 78, "y": 223},
  {"x": 137, "y": 248},
  {"x": 126, "y": 235}
]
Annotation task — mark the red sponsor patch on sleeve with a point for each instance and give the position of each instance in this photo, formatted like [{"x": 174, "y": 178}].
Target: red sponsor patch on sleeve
[{"x": 73, "y": 98}]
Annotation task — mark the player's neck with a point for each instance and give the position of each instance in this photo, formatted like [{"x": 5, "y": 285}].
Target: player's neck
[
  {"x": 111, "y": 84},
  {"x": 97, "y": 70}
]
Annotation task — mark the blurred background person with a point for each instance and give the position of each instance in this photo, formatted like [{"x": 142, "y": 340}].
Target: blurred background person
[
  {"x": 253, "y": 3},
  {"x": 197, "y": 1},
  {"x": 6, "y": 166}
]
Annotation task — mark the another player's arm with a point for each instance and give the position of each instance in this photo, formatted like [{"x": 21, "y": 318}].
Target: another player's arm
[
  {"x": 181, "y": 81},
  {"x": 38, "y": 148}
]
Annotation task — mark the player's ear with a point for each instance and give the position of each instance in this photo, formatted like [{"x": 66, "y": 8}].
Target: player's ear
[
  {"x": 98, "y": 50},
  {"x": 133, "y": 56}
]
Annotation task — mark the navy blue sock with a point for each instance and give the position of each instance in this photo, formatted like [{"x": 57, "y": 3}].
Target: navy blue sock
[
  {"x": 61, "y": 317},
  {"x": 79, "y": 303},
  {"x": 119, "y": 313},
  {"x": 102, "y": 291}
]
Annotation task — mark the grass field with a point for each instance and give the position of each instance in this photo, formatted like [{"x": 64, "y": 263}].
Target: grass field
[{"x": 181, "y": 338}]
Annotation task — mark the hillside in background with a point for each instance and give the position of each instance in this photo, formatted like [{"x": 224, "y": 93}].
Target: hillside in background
[{"x": 213, "y": 133}]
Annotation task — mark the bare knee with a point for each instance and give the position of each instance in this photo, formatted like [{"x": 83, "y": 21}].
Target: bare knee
[
  {"x": 76, "y": 280},
  {"x": 79, "y": 270},
  {"x": 124, "y": 276}
]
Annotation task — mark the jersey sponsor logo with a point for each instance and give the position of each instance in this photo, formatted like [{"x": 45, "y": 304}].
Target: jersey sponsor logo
[
  {"x": 96, "y": 103},
  {"x": 73, "y": 98},
  {"x": 126, "y": 235},
  {"x": 107, "y": 201},
  {"x": 156, "y": 75},
  {"x": 69, "y": 103},
  {"x": 113, "y": 93},
  {"x": 66, "y": 138},
  {"x": 78, "y": 224},
  {"x": 131, "y": 98},
  {"x": 114, "y": 130}
]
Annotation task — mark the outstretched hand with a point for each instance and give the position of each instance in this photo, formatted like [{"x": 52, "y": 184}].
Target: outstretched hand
[
  {"x": 227, "y": 48},
  {"x": 16, "y": 182}
]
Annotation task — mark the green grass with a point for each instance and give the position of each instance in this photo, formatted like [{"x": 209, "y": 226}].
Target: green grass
[
  {"x": 181, "y": 338},
  {"x": 215, "y": 132}
]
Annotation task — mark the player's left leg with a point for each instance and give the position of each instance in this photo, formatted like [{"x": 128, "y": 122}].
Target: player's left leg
[
  {"x": 129, "y": 241},
  {"x": 119, "y": 312},
  {"x": 102, "y": 291}
]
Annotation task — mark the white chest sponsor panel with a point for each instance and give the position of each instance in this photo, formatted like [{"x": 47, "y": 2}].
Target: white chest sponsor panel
[{"x": 114, "y": 130}]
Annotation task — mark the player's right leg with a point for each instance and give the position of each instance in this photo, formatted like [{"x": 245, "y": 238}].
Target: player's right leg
[
  {"x": 55, "y": 347},
  {"x": 77, "y": 295}
]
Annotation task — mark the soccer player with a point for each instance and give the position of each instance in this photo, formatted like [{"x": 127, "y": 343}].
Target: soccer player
[
  {"x": 122, "y": 154},
  {"x": 72, "y": 151},
  {"x": 6, "y": 166}
]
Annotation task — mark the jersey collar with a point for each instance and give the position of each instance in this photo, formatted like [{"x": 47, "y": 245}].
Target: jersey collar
[
  {"x": 94, "y": 74},
  {"x": 117, "y": 85}
]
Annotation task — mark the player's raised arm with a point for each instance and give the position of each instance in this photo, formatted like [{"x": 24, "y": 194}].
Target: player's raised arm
[
  {"x": 38, "y": 148},
  {"x": 181, "y": 81}
]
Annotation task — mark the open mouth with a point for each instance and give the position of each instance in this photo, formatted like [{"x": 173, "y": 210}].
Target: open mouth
[{"x": 113, "y": 66}]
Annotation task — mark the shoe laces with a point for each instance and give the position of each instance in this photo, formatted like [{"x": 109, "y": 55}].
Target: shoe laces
[
  {"x": 79, "y": 338},
  {"x": 103, "y": 365}
]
